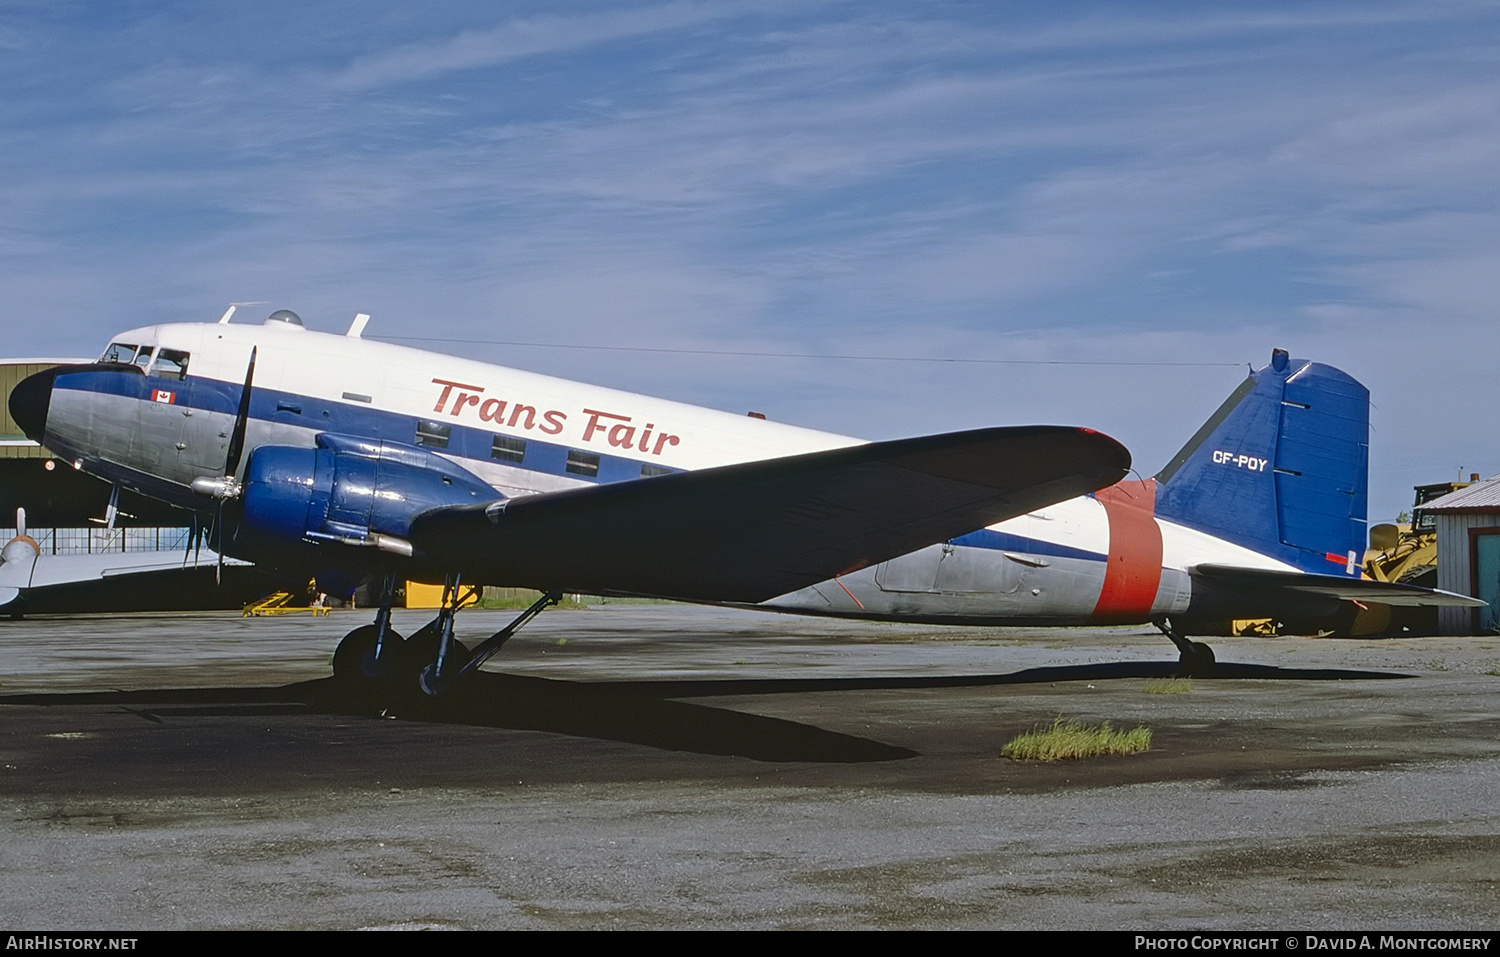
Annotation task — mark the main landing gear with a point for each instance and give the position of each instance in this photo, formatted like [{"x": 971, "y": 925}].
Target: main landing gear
[
  {"x": 431, "y": 661},
  {"x": 1195, "y": 659}
]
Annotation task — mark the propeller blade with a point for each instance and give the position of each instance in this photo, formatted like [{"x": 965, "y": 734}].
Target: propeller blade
[
  {"x": 20, "y": 522},
  {"x": 192, "y": 541},
  {"x": 241, "y": 422}
]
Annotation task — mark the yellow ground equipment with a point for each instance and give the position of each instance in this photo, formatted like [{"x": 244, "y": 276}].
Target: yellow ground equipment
[
  {"x": 276, "y": 604},
  {"x": 1407, "y": 553}
]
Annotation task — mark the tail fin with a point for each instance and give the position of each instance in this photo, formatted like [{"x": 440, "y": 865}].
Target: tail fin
[{"x": 1282, "y": 467}]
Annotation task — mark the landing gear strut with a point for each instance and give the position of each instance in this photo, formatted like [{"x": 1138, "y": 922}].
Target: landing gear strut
[
  {"x": 442, "y": 674},
  {"x": 369, "y": 653},
  {"x": 431, "y": 659},
  {"x": 1195, "y": 659}
]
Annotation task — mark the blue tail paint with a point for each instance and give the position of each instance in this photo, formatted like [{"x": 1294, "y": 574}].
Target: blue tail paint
[{"x": 1282, "y": 468}]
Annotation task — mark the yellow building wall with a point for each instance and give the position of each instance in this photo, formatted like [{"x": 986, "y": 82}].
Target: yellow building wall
[{"x": 419, "y": 595}]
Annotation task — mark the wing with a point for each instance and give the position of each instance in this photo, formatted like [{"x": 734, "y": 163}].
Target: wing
[
  {"x": 1269, "y": 584},
  {"x": 49, "y": 570},
  {"x": 752, "y": 531}
]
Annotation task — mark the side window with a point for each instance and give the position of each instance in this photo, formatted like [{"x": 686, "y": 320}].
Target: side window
[
  {"x": 583, "y": 463},
  {"x": 119, "y": 352},
  {"x": 434, "y": 435},
  {"x": 506, "y": 448},
  {"x": 170, "y": 364},
  {"x": 651, "y": 471}
]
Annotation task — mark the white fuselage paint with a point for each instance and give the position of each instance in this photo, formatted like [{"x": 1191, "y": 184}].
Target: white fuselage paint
[{"x": 1047, "y": 566}]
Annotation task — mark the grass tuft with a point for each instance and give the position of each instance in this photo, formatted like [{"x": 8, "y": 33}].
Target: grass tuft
[
  {"x": 1074, "y": 739},
  {"x": 1169, "y": 686},
  {"x": 503, "y": 602}
]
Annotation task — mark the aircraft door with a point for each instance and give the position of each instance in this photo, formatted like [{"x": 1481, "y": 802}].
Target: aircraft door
[
  {"x": 913, "y": 572},
  {"x": 968, "y": 571},
  {"x": 957, "y": 570},
  {"x": 205, "y": 434},
  {"x": 157, "y": 438}
]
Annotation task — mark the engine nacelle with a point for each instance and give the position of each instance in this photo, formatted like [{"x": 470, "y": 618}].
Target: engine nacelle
[{"x": 355, "y": 491}]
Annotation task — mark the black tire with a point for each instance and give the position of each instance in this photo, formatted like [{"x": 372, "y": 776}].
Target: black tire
[
  {"x": 1197, "y": 662},
  {"x": 354, "y": 658},
  {"x": 421, "y": 649}
]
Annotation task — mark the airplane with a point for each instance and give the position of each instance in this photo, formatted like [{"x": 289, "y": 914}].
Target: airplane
[
  {"x": 362, "y": 459},
  {"x": 1262, "y": 514},
  {"x": 26, "y": 572}
]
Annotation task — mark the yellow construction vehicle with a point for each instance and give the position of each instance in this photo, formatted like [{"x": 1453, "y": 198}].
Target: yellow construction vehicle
[
  {"x": 1406, "y": 552},
  {"x": 1403, "y": 552}
]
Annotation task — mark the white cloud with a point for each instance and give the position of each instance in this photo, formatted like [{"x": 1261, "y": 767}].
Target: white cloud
[{"x": 524, "y": 37}]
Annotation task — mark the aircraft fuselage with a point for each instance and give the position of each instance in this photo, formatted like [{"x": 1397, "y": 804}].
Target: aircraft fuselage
[{"x": 158, "y": 413}]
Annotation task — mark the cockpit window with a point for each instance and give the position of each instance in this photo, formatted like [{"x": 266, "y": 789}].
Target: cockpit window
[
  {"x": 143, "y": 357},
  {"x": 170, "y": 364},
  {"x": 120, "y": 352}
]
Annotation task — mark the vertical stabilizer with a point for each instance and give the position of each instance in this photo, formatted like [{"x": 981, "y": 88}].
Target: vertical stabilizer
[{"x": 1281, "y": 467}]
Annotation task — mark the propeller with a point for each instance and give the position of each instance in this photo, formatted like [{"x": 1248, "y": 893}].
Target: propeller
[
  {"x": 227, "y": 486},
  {"x": 241, "y": 422},
  {"x": 17, "y": 561},
  {"x": 22, "y": 546}
]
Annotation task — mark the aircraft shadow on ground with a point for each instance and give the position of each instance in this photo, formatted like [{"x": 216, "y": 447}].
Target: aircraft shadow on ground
[{"x": 638, "y": 712}]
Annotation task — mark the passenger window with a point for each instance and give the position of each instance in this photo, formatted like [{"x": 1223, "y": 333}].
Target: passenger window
[
  {"x": 507, "y": 449},
  {"x": 433, "y": 435},
  {"x": 119, "y": 352},
  {"x": 170, "y": 364},
  {"x": 582, "y": 463}
]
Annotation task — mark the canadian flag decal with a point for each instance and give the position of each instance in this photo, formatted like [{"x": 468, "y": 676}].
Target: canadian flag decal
[{"x": 163, "y": 395}]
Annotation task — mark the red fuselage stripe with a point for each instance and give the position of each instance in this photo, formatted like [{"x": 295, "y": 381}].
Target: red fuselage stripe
[{"x": 1133, "y": 572}]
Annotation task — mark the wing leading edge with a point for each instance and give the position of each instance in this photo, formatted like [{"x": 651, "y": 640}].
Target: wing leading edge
[{"x": 749, "y": 532}]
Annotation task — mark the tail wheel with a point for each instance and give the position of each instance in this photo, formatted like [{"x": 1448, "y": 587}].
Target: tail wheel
[{"x": 1197, "y": 661}]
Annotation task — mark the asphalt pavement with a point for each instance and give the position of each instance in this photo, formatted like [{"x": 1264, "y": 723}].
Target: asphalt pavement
[{"x": 658, "y": 766}]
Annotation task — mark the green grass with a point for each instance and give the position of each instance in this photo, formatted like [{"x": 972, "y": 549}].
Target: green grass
[
  {"x": 525, "y": 601},
  {"x": 1074, "y": 739},
  {"x": 1169, "y": 686}
]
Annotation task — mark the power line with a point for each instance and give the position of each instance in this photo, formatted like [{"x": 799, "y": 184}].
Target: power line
[{"x": 805, "y": 355}]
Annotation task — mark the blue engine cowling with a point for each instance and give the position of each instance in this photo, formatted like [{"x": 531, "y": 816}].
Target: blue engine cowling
[{"x": 350, "y": 490}]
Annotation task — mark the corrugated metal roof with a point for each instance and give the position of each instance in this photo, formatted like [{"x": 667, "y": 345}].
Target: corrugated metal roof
[{"x": 1483, "y": 497}]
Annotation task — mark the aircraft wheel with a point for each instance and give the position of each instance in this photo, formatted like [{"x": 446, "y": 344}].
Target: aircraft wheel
[
  {"x": 354, "y": 659},
  {"x": 419, "y": 657},
  {"x": 1198, "y": 661}
]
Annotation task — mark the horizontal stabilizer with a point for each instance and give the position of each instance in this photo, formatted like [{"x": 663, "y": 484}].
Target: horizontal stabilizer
[
  {"x": 749, "y": 532},
  {"x": 1267, "y": 582}
]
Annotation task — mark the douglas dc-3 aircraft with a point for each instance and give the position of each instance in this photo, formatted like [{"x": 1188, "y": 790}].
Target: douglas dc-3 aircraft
[{"x": 354, "y": 458}]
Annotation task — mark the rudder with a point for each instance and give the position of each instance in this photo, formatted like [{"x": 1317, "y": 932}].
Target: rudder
[{"x": 1282, "y": 467}]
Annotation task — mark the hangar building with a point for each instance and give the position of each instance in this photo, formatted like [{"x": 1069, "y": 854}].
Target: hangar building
[{"x": 1468, "y": 544}]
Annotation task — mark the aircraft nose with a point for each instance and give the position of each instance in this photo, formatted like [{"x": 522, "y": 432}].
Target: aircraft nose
[{"x": 29, "y": 402}]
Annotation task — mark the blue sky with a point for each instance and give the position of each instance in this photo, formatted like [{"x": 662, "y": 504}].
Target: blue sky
[{"x": 1190, "y": 184}]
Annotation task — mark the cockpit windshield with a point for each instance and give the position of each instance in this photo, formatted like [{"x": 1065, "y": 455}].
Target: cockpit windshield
[
  {"x": 168, "y": 364},
  {"x": 122, "y": 352}
]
